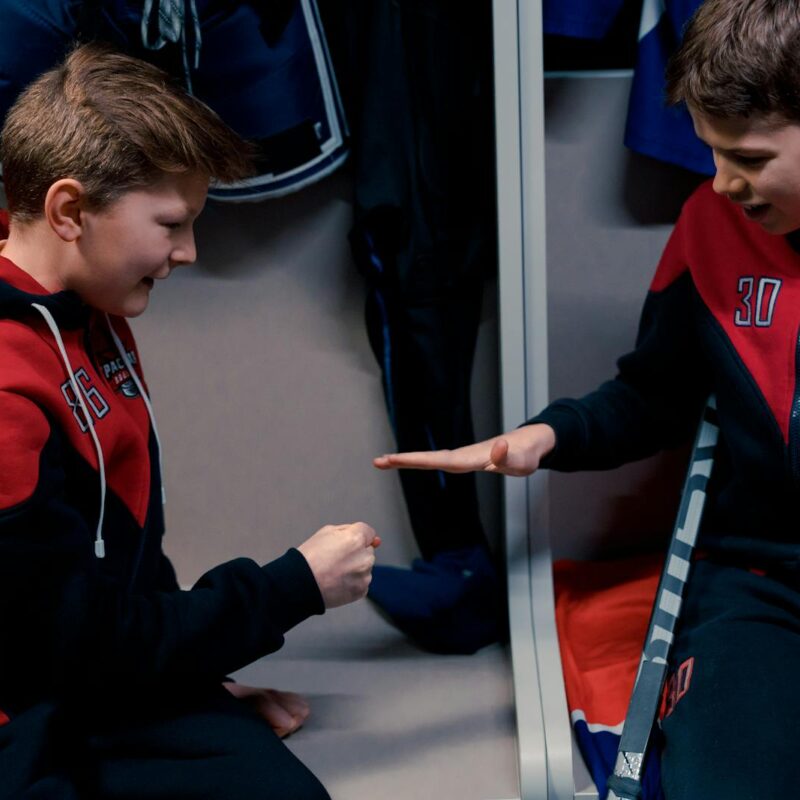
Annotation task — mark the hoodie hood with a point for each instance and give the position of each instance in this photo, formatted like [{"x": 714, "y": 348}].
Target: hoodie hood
[{"x": 18, "y": 291}]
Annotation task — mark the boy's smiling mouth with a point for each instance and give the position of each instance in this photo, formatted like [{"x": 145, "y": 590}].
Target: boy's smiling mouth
[{"x": 755, "y": 211}]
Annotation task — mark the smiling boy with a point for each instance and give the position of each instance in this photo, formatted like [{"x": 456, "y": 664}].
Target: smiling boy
[
  {"x": 757, "y": 162},
  {"x": 721, "y": 316},
  {"x": 112, "y": 679},
  {"x": 123, "y": 249}
]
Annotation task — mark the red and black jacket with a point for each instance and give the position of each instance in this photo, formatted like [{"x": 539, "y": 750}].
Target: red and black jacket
[
  {"x": 722, "y": 316},
  {"x": 73, "y": 624}
]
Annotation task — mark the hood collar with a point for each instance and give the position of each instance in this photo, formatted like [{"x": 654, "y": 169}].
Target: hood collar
[{"x": 18, "y": 290}]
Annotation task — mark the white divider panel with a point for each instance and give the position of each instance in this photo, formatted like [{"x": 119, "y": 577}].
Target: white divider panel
[{"x": 544, "y": 735}]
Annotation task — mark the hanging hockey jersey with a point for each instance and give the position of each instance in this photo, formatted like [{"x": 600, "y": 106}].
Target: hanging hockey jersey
[
  {"x": 602, "y": 610},
  {"x": 654, "y": 128},
  {"x": 264, "y": 68}
]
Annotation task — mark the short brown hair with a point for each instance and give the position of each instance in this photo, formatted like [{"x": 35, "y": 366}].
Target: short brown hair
[
  {"x": 114, "y": 123},
  {"x": 739, "y": 58}
]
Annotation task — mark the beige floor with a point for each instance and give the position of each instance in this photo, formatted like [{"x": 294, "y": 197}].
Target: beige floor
[{"x": 391, "y": 722}]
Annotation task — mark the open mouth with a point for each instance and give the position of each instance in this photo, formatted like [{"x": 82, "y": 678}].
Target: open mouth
[
  {"x": 148, "y": 282},
  {"x": 755, "y": 211}
]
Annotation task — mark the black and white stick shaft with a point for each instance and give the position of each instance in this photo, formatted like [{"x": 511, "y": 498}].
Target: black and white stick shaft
[{"x": 625, "y": 783}]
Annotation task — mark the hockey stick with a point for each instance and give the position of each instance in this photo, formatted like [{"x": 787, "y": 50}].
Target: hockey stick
[{"x": 626, "y": 781}]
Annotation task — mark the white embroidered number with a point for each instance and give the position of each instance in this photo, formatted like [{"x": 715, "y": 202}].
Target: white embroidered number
[
  {"x": 746, "y": 290},
  {"x": 766, "y": 296},
  {"x": 94, "y": 400}
]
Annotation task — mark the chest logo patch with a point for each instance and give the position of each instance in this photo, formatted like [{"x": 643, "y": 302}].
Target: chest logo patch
[
  {"x": 116, "y": 373},
  {"x": 757, "y": 299}
]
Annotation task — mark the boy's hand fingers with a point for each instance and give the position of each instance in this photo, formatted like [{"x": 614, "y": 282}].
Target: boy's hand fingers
[
  {"x": 284, "y": 711},
  {"x": 414, "y": 460},
  {"x": 462, "y": 459},
  {"x": 296, "y": 705}
]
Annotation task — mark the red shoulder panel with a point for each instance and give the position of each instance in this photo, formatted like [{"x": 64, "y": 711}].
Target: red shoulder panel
[
  {"x": 22, "y": 436},
  {"x": 750, "y": 282},
  {"x": 675, "y": 260}
]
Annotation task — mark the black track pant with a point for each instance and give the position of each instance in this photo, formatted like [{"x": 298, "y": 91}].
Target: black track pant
[
  {"x": 418, "y": 80},
  {"x": 733, "y": 698},
  {"x": 217, "y": 748}
]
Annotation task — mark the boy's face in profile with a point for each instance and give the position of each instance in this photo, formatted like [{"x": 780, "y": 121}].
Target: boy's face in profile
[
  {"x": 135, "y": 240},
  {"x": 758, "y": 166}
]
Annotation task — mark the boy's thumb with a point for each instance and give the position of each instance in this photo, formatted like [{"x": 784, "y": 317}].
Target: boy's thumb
[{"x": 499, "y": 453}]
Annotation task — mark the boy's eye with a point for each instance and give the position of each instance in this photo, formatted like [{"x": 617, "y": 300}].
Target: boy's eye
[
  {"x": 173, "y": 226},
  {"x": 749, "y": 161}
]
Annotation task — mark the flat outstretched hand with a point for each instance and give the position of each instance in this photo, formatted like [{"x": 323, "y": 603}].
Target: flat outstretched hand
[{"x": 516, "y": 453}]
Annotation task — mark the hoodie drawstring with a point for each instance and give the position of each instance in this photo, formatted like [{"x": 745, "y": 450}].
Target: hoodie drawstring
[
  {"x": 99, "y": 544},
  {"x": 145, "y": 397}
]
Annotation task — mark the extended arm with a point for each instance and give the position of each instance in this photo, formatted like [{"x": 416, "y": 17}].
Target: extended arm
[{"x": 654, "y": 402}]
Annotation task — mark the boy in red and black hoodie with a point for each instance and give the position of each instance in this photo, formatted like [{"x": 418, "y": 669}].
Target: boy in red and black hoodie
[
  {"x": 722, "y": 316},
  {"x": 112, "y": 679}
]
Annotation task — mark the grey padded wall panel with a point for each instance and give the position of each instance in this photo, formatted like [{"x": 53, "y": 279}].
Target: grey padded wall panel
[
  {"x": 270, "y": 400},
  {"x": 609, "y": 214},
  {"x": 268, "y": 397}
]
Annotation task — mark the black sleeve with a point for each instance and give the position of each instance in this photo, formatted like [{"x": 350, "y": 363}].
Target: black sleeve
[
  {"x": 67, "y": 627},
  {"x": 654, "y": 402},
  {"x": 166, "y": 579}
]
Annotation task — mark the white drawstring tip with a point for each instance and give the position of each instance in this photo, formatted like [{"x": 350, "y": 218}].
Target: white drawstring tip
[{"x": 100, "y": 548}]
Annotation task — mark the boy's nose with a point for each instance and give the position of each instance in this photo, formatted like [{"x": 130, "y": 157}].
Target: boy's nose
[
  {"x": 185, "y": 253},
  {"x": 726, "y": 180}
]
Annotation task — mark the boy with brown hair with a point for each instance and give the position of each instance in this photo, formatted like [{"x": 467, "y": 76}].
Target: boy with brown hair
[
  {"x": 721, "y": 317},
  {"x": 111, "y": 678}
]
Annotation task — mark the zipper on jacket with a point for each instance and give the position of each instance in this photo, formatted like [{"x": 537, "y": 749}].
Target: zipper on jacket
[{"x": 794, "y": 419}]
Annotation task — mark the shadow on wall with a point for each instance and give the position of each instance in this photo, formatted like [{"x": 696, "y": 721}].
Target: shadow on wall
[
  {"x": 661, "y": 207},
  {"x": 620, "y": 188}
]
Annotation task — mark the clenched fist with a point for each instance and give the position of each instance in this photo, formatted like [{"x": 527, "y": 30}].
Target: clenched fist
[{"x": 341, "y": 558}]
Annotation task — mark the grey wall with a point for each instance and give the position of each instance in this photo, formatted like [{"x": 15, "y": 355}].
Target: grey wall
[
  {"x": 609, "y": 214},
  {"x": 267, "y": 397}
]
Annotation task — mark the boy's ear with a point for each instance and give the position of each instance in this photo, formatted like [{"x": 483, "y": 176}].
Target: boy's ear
[{"x": 62, "y": 208}]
